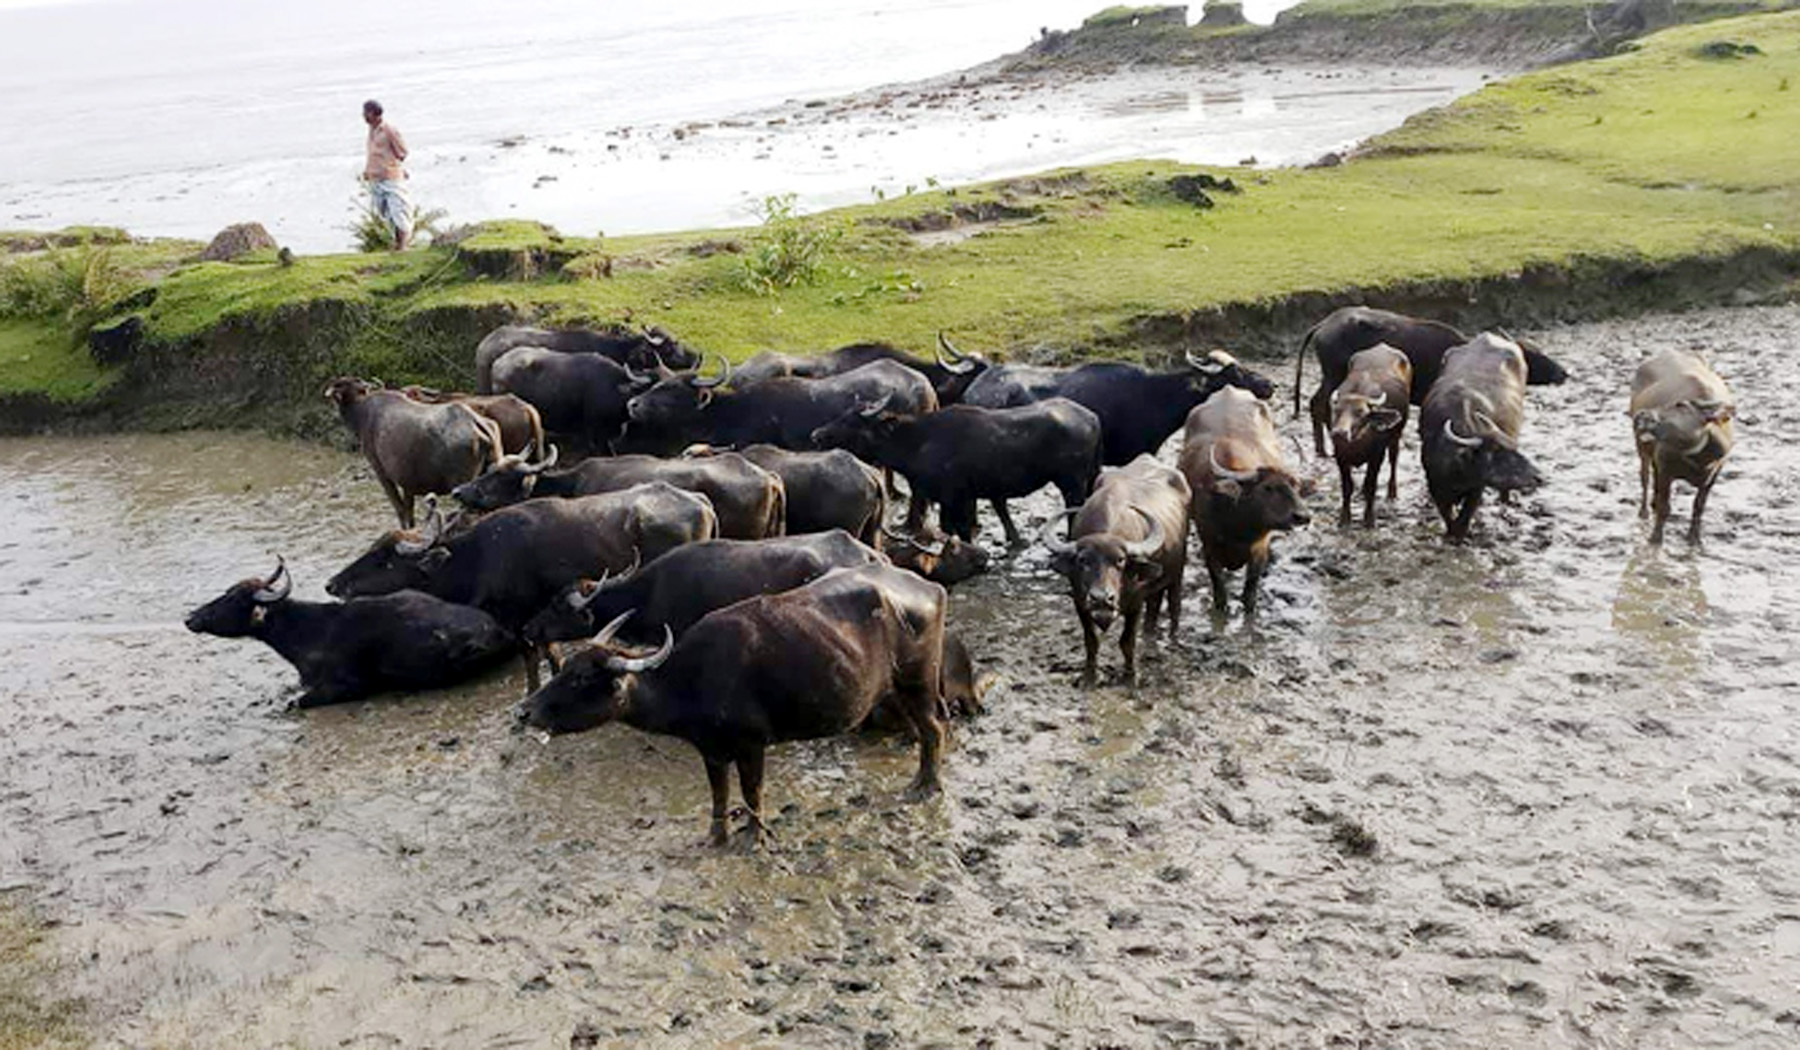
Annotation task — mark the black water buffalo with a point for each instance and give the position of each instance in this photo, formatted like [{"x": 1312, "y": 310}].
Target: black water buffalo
[
  {"x": 642, "y": 350},
  {"x": 1243, "y": 489},
  {"x": 1127, "y": 550},
  {"x": 1681, "y": 419},
  {"x": 1345, "y": 331},
  {"x": 950, "y": 370},
  {"x": 805, "y": 663},
  {"x": 520, "y": 425},
  {"x": 514, "y": 561},
  {"x": 749, "y": 501},
  {"x": 962, "y": 454},
  {"x": 414, "y": 448},
  {"x": 685, "y": 584},
  {"x": 1138, "y": 409},
  {"x": 948, "y": 560},
  {"x": 347, "y": 651},
  {"x": 1368, "y": 416},
  {"x": 581, "y": 397},
  {"x": 1469, "y": 429},
  {"x": 825, "y": 490},
  {"x": 684, "y": 408}
]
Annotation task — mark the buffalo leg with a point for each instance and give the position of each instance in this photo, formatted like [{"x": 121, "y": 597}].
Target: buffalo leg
[
  {"x": 931, "y": 742},
  {"x": 1152, "y": 608},
  {"x": 1371, "y": 482},
  {"x": 1174, "y": 592},
  {"x": 718, "y": 775},
  {"x": 403, "y": 505},
  {"x": 750, "y": 782},
  {"x": 1006, "y": 522},
  {"x": 1320, "y": 410},
  {"x": 1459, "y": 530},
  {"x": 1643, "y": 483},
  {"x": 957, "y": 518},
  {"x": 1253, "y": 574},
  {"x": 1394, "y": 467},
  {"x": 1704, "y": 490},
  {"x": 1347, "y": 486},
  {"x": 531, "y": 669},
  {"x": 1128, "y": 636},
  {"x": 1090, "y": 638},
  {"x": 887, "y": 481},
  {"x": 916, "y": 508},
  {"x": 1664, "y": 482},
  {"x": 1215, "y": 573}
]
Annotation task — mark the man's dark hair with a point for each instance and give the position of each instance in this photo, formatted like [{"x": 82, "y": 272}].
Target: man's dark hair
[{"x": 372, "y": 106}]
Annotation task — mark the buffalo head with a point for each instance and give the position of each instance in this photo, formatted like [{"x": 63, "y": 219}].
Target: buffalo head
[
  {"x": 1484, "y": 457},
  {"x": 1217, "y": 369},
  {"x": 1100, "y": 566},
  {"x": 862, "y": 431},
  {"x": 592, "y": 686},
  {"x": 509, "y": 481},
  {"x": 1355, "y": 417},
  {"x": 948, "y": 560},
  {"x": 672, "y": 406},
  {"x": 397, "y": 561},
  {"x": 571, "y": 614},
  {"x": 1687, "y": 427},
  {"x": 1267, "y": 496},
  {"x": 241, "y": 610},
  {"x": 345, "y": 391}
]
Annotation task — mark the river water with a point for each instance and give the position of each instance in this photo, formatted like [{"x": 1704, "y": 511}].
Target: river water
[{"x": 1536, "y": 791}]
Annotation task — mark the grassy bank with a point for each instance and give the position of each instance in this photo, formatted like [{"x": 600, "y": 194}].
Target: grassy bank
[{"x": 1665, "y": 172}]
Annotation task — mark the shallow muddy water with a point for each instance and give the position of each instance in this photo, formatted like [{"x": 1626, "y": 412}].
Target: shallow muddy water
[{"x": 1537, "y": 791}]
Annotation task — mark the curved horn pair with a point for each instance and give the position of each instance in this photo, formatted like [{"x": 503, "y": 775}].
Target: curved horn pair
[
  {"x": 721, "y": 379},
  {"x": 276, "y": 587},
  {"x": 1208, "y": 366},
  {"x": 579, "y": 601},
  {"x": 528, "y": 467},
  {"x": 1222, "y": 471},
  {"x": 429, "y": 536},
  {"x": 957, "y": 362},
  {"x": 633, "y": 664},
  {"x": 930, "y": 550}
]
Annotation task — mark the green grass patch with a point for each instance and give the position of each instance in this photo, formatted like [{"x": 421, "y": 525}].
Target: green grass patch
[{"x": 39, "y": 357}]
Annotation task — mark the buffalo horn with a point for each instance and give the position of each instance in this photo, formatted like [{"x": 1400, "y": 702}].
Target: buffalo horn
[
  {"x": 1223, "y": 471},
  {"x": 636, "y": 378},
  {"x": 957, "y": 362},
  {"x": 653, "y": 337},
  {"x": 637, "y": 664},
  {"x": 1204, "y": 365},
  {"x": 276, "y": 587},
  {"x": 1047, "y": 536},
  {"x": 1378, "y": 400},
  {"x": 874, "y": 408},
  {"x": 1450, "y": 432},
  {"x": 612, "y": 627},
  {"x": 930, "y": 550},
  {"x": 544, "y": 464},
  {"x": 430, "y": 534},
  {"x": 1147, "y": 547},
  {"x": 721, "y": 379}
]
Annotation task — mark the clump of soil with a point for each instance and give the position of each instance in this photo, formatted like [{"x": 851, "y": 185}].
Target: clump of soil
[{"x": 236, "y": 241}]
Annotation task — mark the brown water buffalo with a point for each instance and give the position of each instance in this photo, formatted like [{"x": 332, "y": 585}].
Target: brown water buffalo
[
  {"x": 1345, "y": 331},
  {"x": 414, "y": 448},
  {"x": 521, "y": 428},
  {"x": 948, "y": 560},
  {"x": 1681, "y": 415},
  {"x": 1243, "y": 490},
  {"x": 1368, "y": 417},
  {"x": 1469, "y": 429},
  {"x": 1127, "y": 550},
  {"x": 806, "y": 663},
  {"x": 825, "y": 490}
]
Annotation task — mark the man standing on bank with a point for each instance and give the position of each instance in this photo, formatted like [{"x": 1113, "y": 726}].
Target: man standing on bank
[{"x": 386, "y": 175}]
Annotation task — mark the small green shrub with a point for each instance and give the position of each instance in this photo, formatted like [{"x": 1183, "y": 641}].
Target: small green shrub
[
  {"x": 789, "y": 250},
  {"x": 373, "y": 234},
  {"x": 74, "y": 285}
]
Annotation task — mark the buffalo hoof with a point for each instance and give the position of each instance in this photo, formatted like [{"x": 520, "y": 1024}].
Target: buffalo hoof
[{"x": 923, "y": 790}]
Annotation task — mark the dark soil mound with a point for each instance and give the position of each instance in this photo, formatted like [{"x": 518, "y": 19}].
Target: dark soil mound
[{"x": 235, "y": 242}]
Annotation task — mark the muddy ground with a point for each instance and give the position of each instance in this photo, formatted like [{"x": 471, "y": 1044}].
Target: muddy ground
[{"x": 1537, "y": 791}]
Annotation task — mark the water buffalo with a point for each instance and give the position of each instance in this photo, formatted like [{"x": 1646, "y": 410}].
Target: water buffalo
[
  {"x": 685, "y": 584},
  {"x": 962, "y": 454},
  {"x": 641, "y": 350},
  {"x": 520, "y": 425},
  {"x": 825, "y": 490},
  {"x": 684, "y": 408},
  {"x": 1127, "y": 550},
  {"x": 1138, "y": 409},
  {"x": 1681, "y": 417},
  {"x": 1243, "y": 490},
  {"x": 514, "y": 561},
  {"x": 948, "y": 560},
  {"x": 1345, "y": 331},
  {"x": 806, "y": 663},
  {"x": 581, "y": 397},
  {"x": 1469, "y": 429},
  {"x": 749, "y": 501},
  {"x": 347, "y": 651},
  {"x": 950, "y": 371},
  {"x": 414, "y": 449},
  {"x": 1368, "y": 416}
]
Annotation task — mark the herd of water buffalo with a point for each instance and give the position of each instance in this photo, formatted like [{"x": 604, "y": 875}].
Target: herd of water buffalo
[{"x": 724, "y": 539}]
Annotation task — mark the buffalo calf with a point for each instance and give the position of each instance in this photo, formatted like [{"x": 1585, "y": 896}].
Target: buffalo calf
[
  {"x": 1368, "y": 416},
  {"x": 1681, "y": 417}
]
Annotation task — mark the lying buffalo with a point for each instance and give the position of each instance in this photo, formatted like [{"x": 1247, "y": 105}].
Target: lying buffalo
[
  {"x": 950, "y": 371},
  {"x": 1345, "y": 331},
  {"x": 581, "y": 397},
  {"x": 806, "y": 663},
  {"x": 1138, "y": 409},
  {"x": 750, "y": 502},
  {"x": 685, "y": 584},
  {"x": 963, "y": 454},
  {"x": 414, "y": 448},
  {"x": 948, "y": 560},
  {"x": 520, "y": 425},
  {"x": 1244, "y": 491},
  {"x": 395, "y": 642},
  {"x": 1681, "y": 417},
  {"x": 825, "y": 490},
  {"x": 1368, "y": 416},
  {"x": 643, "y": 350},
  {"x": 1126, "y": 551},
  {"x": 1469, "y": 429}
]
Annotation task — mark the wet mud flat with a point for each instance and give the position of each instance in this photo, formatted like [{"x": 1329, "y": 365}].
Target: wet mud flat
[{"x": 1540, "y": 790}]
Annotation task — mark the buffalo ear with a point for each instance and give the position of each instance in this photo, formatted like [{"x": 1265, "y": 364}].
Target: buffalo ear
[
  {"x": 1063, "y": 561},
  {"x": 1385, "y": 418},
  {"x": 1227, "y": 488},
  {"x": 704, "y": 399},
  {"x": 1147, "y": 569}
]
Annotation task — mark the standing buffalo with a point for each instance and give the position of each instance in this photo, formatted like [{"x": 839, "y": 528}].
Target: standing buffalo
[
  {"x": 1138, "y": 409},
  {"x": 683, "y": 408},
  {"x": 520, "y": 425},
  {"x": 749, "y": 501},
  {"x": 414, "y": 449},
  {"x": 581, "y": 397},
  {"x": 1368, "y": 416},
  {"x": 1469, "y": 429},
  {"x": 1681, "y": 415},
  {"x": 641, "y": 350},
  {"x": 805, "y": 663},
  {"x": 963, "y": 454},
  {"x": 347, "y": 651},
  {"x": 1345, "y": 331},
  {"x": 950, "y": 371},
  {"x": 1242, "y": 487},
  {"x": 1127, "y": 549},
  {"x": 825, "y": 490}
]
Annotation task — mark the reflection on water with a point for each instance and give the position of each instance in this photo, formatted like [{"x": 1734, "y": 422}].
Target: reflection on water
[{"x": 1661, "y": 608}]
